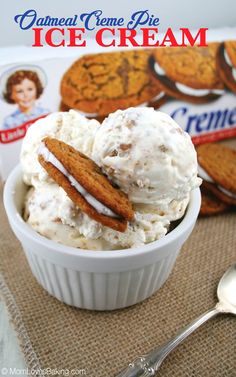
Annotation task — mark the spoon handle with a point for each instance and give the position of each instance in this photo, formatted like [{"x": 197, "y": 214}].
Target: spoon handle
[{"x": 147, "y": 365}]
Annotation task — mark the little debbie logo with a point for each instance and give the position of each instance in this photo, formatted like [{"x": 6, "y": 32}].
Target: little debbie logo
[{"x": 109, "y": 31}]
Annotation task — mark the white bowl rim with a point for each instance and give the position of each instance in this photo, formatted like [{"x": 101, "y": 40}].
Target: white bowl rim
[{"x": 16, "y": 220}]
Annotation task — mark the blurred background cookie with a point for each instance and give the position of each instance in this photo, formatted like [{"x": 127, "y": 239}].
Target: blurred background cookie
[
  {"x": 226, "y": 62},
  {"x": 99, "y": 84},
  {"x": 211, "y": 205},
  {"x": 188, "y": 73},
  {"x": 217, "y": 168}
]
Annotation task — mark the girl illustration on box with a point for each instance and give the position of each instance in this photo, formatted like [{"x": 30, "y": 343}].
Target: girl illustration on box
[{"x": 23, "y": 87}]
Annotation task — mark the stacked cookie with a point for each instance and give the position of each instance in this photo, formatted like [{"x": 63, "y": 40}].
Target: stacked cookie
[
  {"x": 226, "y": 63},
  {"x": 99, "y": 84},
  {"x": 217, "y": 168},
  {"x": 189, "y": 74}
]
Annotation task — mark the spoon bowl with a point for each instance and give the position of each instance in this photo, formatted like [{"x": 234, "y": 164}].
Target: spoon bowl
[{"x": 226, "y": 291}]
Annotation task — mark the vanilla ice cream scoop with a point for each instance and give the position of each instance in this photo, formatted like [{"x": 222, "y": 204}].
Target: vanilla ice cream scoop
[
  {"x": 147, "y": 154},
  {"x": 70, "y": 127}
]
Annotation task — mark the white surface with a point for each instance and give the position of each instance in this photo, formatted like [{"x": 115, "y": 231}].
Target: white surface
[
  {"x": 10, "y": 354},
  {"x": 181, "y": 13},
  {"x": 100, "y": 280}
]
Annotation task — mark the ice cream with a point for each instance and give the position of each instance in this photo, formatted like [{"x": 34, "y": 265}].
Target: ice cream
[
  {"x": 70, "y": 127},
  {"x": 142, "y": 151},
  {"x": 147, "y": 155},
  {"x": 51, "y": 213}
]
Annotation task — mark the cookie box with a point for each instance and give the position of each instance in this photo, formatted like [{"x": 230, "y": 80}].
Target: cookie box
[{"x": 195, "y": 85}]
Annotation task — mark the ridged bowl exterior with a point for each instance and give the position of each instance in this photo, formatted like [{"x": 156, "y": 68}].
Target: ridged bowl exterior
[{"x": 100, "y": 291}]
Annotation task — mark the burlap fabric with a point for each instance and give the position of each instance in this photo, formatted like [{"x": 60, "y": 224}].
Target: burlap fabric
[{"x": 99, "y": 344}]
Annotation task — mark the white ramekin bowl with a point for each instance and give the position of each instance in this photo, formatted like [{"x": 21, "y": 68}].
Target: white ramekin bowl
[{"x": 99, "y": 280}]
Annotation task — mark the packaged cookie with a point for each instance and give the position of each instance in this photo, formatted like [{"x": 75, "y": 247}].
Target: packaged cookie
[
  {"x": 211, "y": 205},
  {"x": 99, "y": 84},
  {"x": 201, "y": 88},
  {"x": 226, "y": 63},
  {"x": 217, "y": 168}
]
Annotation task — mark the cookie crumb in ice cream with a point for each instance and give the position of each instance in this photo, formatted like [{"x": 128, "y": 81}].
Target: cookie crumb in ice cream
[{"x": 70, "y": 127}]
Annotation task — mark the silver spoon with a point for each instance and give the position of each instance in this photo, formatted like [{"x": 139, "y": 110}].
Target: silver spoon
[{"x": 147, "y": 365}]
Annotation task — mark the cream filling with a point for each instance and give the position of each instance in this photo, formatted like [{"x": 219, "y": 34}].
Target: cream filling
[
  {"x": 197, "y": 92},
  {"x": 87, "y": 115},
  {"x": 49, "y": 157},
  {"x": 203, "y": 174},
  {"x": 160, "y": 71},
  {"x": 186, "y": 89},
  {"x": 226, "y": 192},
  {"x": 228, "y": 61}
]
